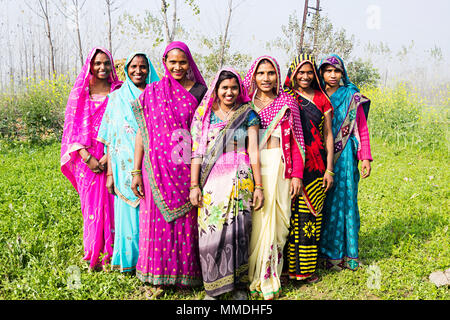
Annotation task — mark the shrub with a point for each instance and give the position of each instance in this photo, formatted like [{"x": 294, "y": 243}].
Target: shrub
[
  {"x": 36, "y": 113},
  {"x": 401, "y": 116}
]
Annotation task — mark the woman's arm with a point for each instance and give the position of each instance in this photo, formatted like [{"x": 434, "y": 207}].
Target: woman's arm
[
  {"x": 364, "y": 154},
  {"x": 109, "y": 174},
  {"x": 137, "y": 184},
  {"x": 253, "y": 151},
  {"x": 297, "y": 168},
  {"x": 329, "y": 147},
  {"x": 195, "y": 194}
]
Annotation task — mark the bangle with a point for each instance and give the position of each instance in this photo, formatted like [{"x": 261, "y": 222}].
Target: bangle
[
  {"x": 330, "y": 172},
  {"x": 260, "y": 187},
  {"x": 88, "y": 158},
  {"x": 136, "y": 170},
  {"x": 194, "y": 186},
  {"x": 109, "y": 174}
]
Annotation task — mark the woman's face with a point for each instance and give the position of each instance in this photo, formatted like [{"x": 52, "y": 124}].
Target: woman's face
[
  {"x": 101, "y": 66},
  {"x": 177, "y": 64},
  {"x": 266, "y": 77},
  {"x": 331, "y": 75},
  {"x": 138, "y": 71},
  {"x": 228, "y": 91},
  {"x": 304, "y": 76}
]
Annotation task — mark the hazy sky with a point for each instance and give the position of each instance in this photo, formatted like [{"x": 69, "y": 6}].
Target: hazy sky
[
  {"x": 254, "y": 22},
  {"x": 395, "y": 22}
]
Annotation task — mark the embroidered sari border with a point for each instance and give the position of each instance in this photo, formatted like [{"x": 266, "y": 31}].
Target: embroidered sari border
[{"x": 168, "y": 214}]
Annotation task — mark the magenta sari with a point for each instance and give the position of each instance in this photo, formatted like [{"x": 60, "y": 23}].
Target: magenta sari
[
  {"x": 83, "y": 116},
  {"x": 168, "y": 238}
]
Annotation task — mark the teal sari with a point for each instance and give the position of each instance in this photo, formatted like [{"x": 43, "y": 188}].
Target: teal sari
[
  {"x": 339, "y": 242},
  {"x": 118, "y": 132}
]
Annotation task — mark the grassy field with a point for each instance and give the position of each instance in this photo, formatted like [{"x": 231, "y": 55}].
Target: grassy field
[{"x": 404, "y": 232}]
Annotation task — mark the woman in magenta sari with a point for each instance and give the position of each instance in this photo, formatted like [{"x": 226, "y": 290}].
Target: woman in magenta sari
[
  {"x": 83, "y": 161},
  {"x": 168, "y": 237}
]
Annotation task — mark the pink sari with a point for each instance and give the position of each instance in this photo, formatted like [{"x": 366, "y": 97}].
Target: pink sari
[
  {"x": 168, "y": 237},
  {"x": 83, "y": 116}
]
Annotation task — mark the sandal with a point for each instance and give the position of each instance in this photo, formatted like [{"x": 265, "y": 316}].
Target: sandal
[{"x": 312, "y": 279}]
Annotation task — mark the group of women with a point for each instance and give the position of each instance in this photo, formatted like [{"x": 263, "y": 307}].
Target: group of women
[{"x": 189, "y": 185}]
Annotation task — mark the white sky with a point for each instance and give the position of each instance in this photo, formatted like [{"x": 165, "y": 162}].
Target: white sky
[{"x": 254, "y": 22}]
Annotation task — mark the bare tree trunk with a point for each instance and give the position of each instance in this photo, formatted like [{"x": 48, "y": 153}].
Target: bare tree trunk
[
  {"x": 166, "y": 22},
  {"x": 43, "y": 4},
  {"x": 225, "y": 36},
  {"x": 108, "y": 10},
  {"x": 77, "y": 26}
]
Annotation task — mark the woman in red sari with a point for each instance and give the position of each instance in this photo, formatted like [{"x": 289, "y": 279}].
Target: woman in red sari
[{"x": 316, "y": 116}]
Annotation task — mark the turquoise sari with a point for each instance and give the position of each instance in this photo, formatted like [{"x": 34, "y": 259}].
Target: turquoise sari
[
  {"x": 339, "y": 242},
  {"x": 118, "y": 132}
]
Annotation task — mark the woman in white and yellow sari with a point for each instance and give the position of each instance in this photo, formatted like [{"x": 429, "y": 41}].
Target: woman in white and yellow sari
[{"x": 282, "y": 162}]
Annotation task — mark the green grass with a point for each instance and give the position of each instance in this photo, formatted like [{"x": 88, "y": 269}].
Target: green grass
[{"x": 404, "y": 232}]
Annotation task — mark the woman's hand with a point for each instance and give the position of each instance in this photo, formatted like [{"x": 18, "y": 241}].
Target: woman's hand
[
  {"x": 110, "y": 183},
  {"x": 195, "y": 196},
  {"x": 258, "y": 199},
  {"x": 328, "y": 181},
  {"x": 365, "y": 169},
  {"x": 296, "y": 187},
  {"x": 94, "y": 165},
  {"x": 103, "y": 163},
  {"x": 137, "y": 185}
]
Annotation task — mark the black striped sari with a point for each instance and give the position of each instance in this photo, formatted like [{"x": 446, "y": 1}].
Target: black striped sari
[{"x": 306, "y": 213}]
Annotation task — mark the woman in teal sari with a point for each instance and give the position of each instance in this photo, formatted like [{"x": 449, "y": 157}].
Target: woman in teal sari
[
  {"x": 118, "y": 131},
  {"x": 339, "y": 241}
]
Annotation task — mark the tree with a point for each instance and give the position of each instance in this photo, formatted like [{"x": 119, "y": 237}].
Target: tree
[
  {"x": 43, "y": 12},
  {"x": 362, "y": 73},
  {"x": 111, "y": 6},
  {"x": 320, "y": 40},
  {"x": 156, "y": 27},
  {"x": 73, "y": 12}
]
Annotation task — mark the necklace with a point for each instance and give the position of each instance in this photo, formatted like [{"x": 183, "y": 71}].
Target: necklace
[
  {"x": 227, "y": 113},
  {"x": 310, "y": 97}
]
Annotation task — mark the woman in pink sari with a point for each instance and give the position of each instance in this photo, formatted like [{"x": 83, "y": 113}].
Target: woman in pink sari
[
  {"x": 168, "y": 238},
  {"x": 83, "y": 161}
]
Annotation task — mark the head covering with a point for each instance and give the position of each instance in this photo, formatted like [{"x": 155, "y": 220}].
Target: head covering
[
  {"x": 164, "y": 112},
  {"x": 79, "y": 127},
  {"x": 296, "y": 64},
  {"x": 346, "y": 101},
  {"x": 346, "y": 91},
  {"x": 270, "y": 112},
  {"x": 193, "y": 73},
  {"x": 118, "y": 130},
  {"x": 204, "y": 111}
]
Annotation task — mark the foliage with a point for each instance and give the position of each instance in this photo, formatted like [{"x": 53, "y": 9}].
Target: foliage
[
  {"x": 403, "y": 207},
  {"x": 328, "y": 40},
  {"x": 404, "y": 232},
  {"x": 37, "y": 113},
  {"x": 209, "y": 63},
  {"x": 362, "y": 73},
  {"x": 403, "y": 117}
]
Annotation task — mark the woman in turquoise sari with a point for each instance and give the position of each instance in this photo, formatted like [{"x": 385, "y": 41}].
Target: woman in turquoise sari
[
  {"x": 118, "y": 131},
  {"x": 339, "y": 241}
]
